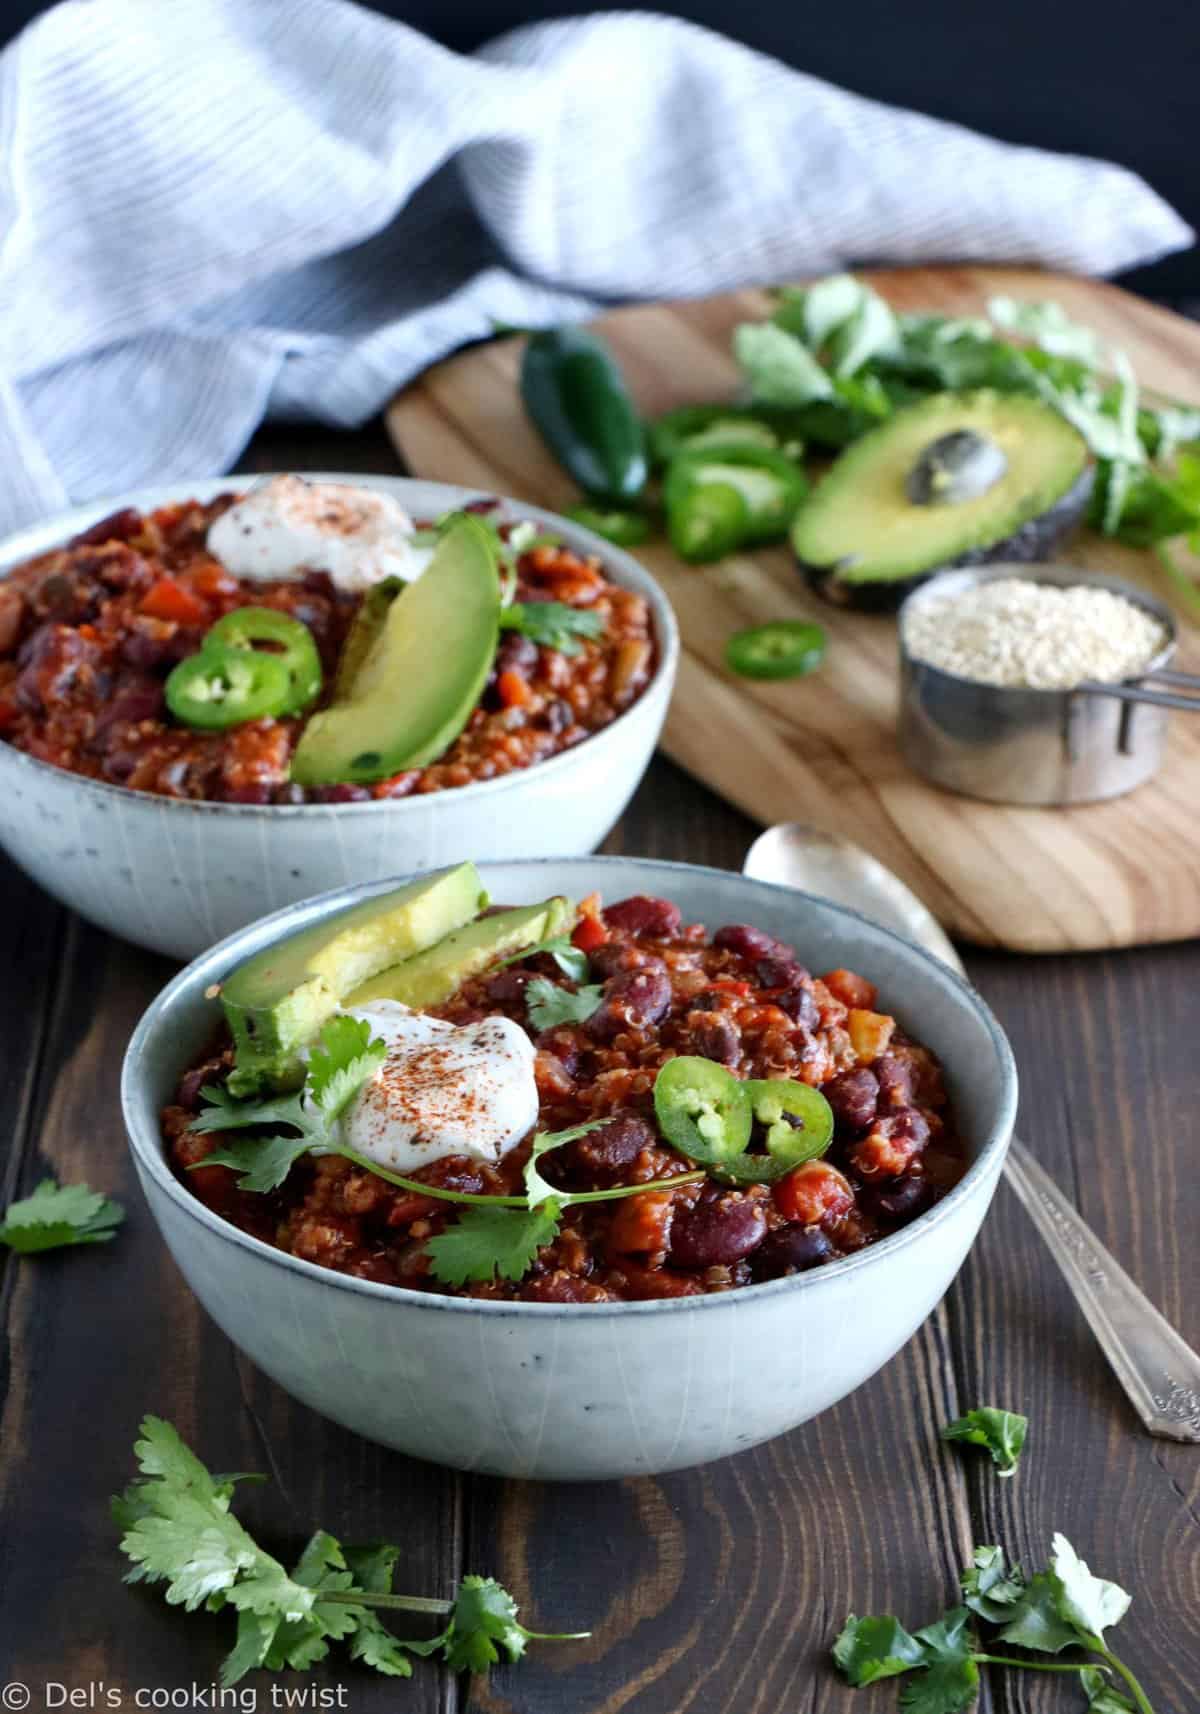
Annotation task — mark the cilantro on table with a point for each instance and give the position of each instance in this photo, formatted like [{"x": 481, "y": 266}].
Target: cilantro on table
[
  {"x": 1001, "y": 1432},
  {"x": 494, "y": 1235},
  {"x": 1063, "y": 1607},
  {"x": 552, "y": 624},
  {"x": 837, "y": 355},
  {"x": 58, "y": 1215},
  {"x": 177, "y": 1528}
]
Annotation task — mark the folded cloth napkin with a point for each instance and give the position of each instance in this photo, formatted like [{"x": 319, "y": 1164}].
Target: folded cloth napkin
[{"x": 217, "y": 210}]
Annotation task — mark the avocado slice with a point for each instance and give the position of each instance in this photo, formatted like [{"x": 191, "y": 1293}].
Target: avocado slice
[
  {"x": 433, "y": 975},
  {"x": 278, "y": 1000},
  {"x": 421, "y": 675},
  {"x": 958, "y": 479},
  {"x": 364, "y": 633}
]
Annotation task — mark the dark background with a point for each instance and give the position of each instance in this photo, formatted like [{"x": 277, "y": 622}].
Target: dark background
[{"x": 1076, "y": 75}]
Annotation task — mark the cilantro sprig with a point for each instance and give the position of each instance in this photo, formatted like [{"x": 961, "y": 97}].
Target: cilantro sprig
[
  {"x": 552, "y": 624},
  {"x": 548, "y": 1004},
  {"x": 494, "y": 1236},
  {"x": 177, "y": 1528},
  {"x": 571, "y": 959},
  {"x": 1062, "y": 1607},
  {"x": 1000, "y": 1432},
  {"x": 58, "y": 1215}
]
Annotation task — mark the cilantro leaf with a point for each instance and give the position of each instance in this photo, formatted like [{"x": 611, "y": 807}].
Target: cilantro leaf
[
  {"x": 779, "y": 366},
  {"x": 536, "y": 1188},
  {"x": 1036, "y": 1622},
  {"x": 1002, "y": 1432},
  {"x": 571, "y": 959},
  {"x": 486, "y": 1242},
  {"x": 870, "y": 1649},
  {"x": 950, "y": 1680},
  {"x": 989, "y": 1588},
  {"x": 177, "y": 1529},
  {"x": 58, "y": 1215},
  {"x": 1102, "y": 1698},
  {"x": 1088, "y": 1602},
  {"x": 548, "y": 1004},
  {"x": 553, "y": 624},
  {"x": 344, "y": 1061}
]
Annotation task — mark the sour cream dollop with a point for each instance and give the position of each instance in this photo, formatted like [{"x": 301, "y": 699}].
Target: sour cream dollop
[
  {"x": 444, "y": 1089},
  {"x": 285, "y": 527}
]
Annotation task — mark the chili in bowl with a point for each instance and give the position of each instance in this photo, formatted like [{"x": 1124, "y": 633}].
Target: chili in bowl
[
  {"x": 515, "y": 1156},
  {"x": 219, "y": 698}
]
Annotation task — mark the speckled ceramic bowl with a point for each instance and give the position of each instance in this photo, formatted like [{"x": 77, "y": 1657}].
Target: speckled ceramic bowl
[
  {"x": 580, "y": 1391},
  {"x": 176, "y": 876}
]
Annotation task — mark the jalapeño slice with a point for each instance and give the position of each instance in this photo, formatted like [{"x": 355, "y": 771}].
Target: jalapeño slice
[
  {"x": 223, "y": 687},
  {"x": 267, "y": 631},
  {"x": 785, "y": 648},
  {"x": 702, "y": 1110}
]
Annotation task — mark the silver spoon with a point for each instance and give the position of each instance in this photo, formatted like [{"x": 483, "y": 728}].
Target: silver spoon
[{"x": 1159, "y": 1372}]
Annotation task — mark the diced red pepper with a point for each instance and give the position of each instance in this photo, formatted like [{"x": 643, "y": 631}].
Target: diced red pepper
[
  {"x": 212, "y": 580},
  {"x": 513, "y": 689},
  {"x": 589, "y": 933},
  {"x": 171, "y": 599}
]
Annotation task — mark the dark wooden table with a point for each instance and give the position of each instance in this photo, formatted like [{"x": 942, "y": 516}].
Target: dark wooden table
[{"x": 714, "y": 1591}]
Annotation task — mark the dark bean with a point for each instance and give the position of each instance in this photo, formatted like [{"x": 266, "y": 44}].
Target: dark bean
[
  {"x": 61, "y": 596},
  {"x": 488, "y": 503},
  {"x": 895, "y": 1080},
  {"x": 53, "y": 659},
  {"x": 903, "y": 1199},
  {"x": 778, "y": 972},
  {"x": 717, "y": 1231},
  {"x": 636, "y": 1000},
  {"x": 791, "y": 1249},
  {"x": 615, "y": 1145},
  {"x": 117, "y": 527},
  {"x": 799, "y": 1005},
  {"x": 616, "y": 956},
  {"x": 517, "y": 654},
  {"x": 557, "y": 716},
  {"x": 320, "y": 583},
  {"x": 713, "y": 1035},
  {"x": 131, "y": 704},
  {"x": 746, "y": 942},
  {"x": 290, "y": 793},
  {"x": 507, "y": 987},
  {"x": 242, "y": 794},
  {"x": 641, "y": 914},
  {"x": 339, "y": 794},
  {"x": 565, "y": 1044},
  {"x": 853, "y": 1096}
]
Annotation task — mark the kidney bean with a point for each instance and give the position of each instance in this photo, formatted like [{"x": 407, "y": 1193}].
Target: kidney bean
[
  {"x": 557, "y": 716},
  {"x": 779, "y": 972},
  {"x": 615, "y": 956},
  {"x": 713, "y": 1035},
  {"x": 716, "y": 1231},
  {"x": 635, "y": 1000},
  {"x": 565, "y": 1044},
  {"x": 517, "y": 654},
  {"x": 133, "y": 702},
  {"x": 149, "y": 644},
  {"x": 339, "y": 794},
  {"x": 507, "y": 987},
  {"x": 615, "y": 1145},
  {"x": 901, "y": 1200},
  {"x": 54, "y": 659},
  {"x": 853, "y": 1096},
  {"x": 119, "y": 526},
  {"x": 895, "y": 1077},
  {"x": 641, "y": 914},
  {"x": 290, "y": 793},
  {"x": 800, "y": 1006},
  {"x": 890, "y": 1145},
  {"x": 791, "y": 1249},
  {"x": 746, "y": 942}
]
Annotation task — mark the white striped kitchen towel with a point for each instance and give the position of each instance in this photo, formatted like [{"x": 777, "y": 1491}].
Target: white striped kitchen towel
[{"x": 217, "y": 210}]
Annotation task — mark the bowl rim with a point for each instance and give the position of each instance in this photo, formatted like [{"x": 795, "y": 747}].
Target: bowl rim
[
  {"x": 149, "y": 1155},
  {"x": 627, "y": 571}
]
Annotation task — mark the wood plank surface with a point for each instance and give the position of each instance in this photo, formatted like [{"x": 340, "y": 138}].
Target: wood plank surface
[
  {"x": 824, "y": 749},
  {"x": 713, "y": 1591}
]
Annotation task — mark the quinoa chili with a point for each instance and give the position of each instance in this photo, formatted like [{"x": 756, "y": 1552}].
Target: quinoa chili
[
  {"x": 739, "y": 998},
  {"x": 90, "y": 631}
]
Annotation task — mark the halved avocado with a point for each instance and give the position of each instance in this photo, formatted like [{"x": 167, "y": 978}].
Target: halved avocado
[
  {"x": 278, "y": 1000},
  {"x": 421, "y": 676},
  {"x": 958, "y": 479},
  {"x": 433, "y": 975}
]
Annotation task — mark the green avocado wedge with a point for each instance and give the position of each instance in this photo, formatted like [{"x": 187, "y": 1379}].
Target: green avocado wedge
[
  {"x": 958, "y": 479},
  {"x": 277, "y": 1001},
  {"x": 432, "y": 976},
  {"x": 420, "y": 676}
]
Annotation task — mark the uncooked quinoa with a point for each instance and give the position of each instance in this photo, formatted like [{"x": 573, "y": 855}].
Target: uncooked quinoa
[{"x": 1033, "y": 636}]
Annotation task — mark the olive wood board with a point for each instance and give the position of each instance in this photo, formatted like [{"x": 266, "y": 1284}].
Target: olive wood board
[{"x": 823, "y": 749}]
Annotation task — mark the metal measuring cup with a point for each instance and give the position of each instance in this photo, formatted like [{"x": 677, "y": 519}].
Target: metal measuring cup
[{"x": 1039, "y": 746}]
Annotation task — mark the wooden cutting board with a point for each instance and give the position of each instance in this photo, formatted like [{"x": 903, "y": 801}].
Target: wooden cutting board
[{"x": 823, "y": 749}]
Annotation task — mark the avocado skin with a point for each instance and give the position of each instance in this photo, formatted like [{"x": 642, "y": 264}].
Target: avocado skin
[{"x": 1036, "y": 539}]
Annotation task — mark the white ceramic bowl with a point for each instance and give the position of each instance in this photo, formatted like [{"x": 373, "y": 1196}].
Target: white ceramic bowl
[
  {"x": 581, "y": 1391},
  {"x": 176, "y": 876}
]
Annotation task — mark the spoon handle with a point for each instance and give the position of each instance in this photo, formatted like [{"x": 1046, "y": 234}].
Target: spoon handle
[{"x": 1159, "y": 1372}]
